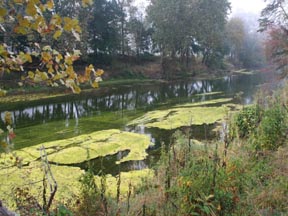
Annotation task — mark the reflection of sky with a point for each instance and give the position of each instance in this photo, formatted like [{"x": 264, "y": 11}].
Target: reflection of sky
[
  {"x": 134, "y": 98},
  {"x": 248, "y": 100}
]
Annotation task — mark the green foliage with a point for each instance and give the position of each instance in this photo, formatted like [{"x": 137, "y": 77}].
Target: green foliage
[
  {"x": 195, "y": 28},
  {"x": 247, "y": 120},
  {"x": 89, "y": 201},
  {"x": 88, "y": 184},
  {"x": 202, "y": 187},
  {"x": 265, "y": 128},
  {"x": 62, "y": 211},
  {"x": 273, "y": 128}
]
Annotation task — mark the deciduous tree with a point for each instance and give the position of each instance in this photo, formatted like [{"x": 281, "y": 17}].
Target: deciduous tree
[{"x": 40, "y": 25}]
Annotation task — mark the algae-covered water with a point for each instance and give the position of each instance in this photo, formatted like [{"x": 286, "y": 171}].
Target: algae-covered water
[{"x": 153, "y": 111}]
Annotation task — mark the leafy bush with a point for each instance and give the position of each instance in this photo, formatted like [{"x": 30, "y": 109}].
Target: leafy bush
[
  {"x": 89, "y": 200},
  {"x": 272, "y": 129},
  {"x": 247, "y": 120}
]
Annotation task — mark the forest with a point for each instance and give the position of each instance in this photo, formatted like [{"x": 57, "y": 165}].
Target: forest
[{"x": 157, "y": 107}]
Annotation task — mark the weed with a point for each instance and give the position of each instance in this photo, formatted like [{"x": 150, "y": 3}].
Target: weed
[{"x": 247, "y": 120}]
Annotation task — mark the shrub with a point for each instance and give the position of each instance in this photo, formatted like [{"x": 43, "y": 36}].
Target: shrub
[
  {"x": 272, "y": 130},
  {"x": 247, "y": 120}
]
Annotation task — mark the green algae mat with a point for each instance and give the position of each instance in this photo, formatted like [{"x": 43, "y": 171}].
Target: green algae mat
[
  {"x": 184, "y": 115},
  {"x": 67, "y": 178},
  {"x": 62, "y": 155},
  {"x": 86, "y": 147}
]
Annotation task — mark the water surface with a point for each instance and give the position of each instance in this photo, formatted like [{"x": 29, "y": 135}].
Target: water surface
[{"x": 113, "y": 107}]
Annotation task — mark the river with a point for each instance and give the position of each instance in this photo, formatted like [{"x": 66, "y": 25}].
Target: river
[{"x": 113, "y": 107}]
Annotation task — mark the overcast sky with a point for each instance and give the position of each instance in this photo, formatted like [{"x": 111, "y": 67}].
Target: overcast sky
[{"x": 250, "y": 6}]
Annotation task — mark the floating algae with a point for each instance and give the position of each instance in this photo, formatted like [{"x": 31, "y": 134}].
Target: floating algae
[
  {"x": 67, "y": 178},
  {"x": 89, "y": 146},
  {"x": 186, "y": 115}
]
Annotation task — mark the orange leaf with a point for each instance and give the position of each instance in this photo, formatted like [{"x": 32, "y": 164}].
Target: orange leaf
[{"x": 99, "y": 72}]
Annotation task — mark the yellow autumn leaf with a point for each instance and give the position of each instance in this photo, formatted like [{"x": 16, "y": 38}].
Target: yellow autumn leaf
[
  {"x": 82, "y": 79},
  {"x": 39, "y": 24},
  {"x": 38, "y": 72},
  {"x": 31, "y": 75},
  {"x": 8, "y": 118},
  {"x": 20, "y": 30},
  {"x": 56, "y": 77},
  {"x": 68, "y": 60},
  {"x": 31, "y": 9},
  {"x": 62, "y": 66},
  {"x": 56, "y": 20},
  {"x": 70, "y": 70},
  {"x": 46, "y": 57},
  {"x": 55, "y": 52},
  {"x": 86, "y": 3},
  {"x": 42, "y": 7},
  {"x": 28, "y": 58},
  {"x": 47, "y": 48},
  {"x": 34, "y": 1},
  {"x": 38, "y": 78},
  {"x": 88, "y": 71},
  {"x": 23, "y": 22},
  {"x": 77, "y": 28},
  {"x": 50, "y": 70},
  {"x": 76, "y": 89},
  {"x": 95, "y": 84},
  {"x": 99, "y": 72},
  {"x": 57, "y": 34},
  {"x": 59, "y": 57},
  {"x": 18, "y": 1},
  {"x": 44, "y": 76},
  {"x": 2, "y": 49},
  {"x": 50, "y": 5},
  {"x": 3, "y": 12},
  {"x": 68, "y": 26}
]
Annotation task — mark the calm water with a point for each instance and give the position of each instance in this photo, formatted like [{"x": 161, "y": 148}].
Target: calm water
[{"x": 114, "y": 107}]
